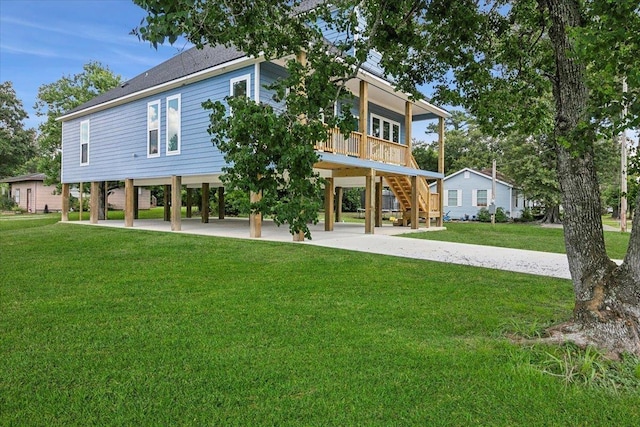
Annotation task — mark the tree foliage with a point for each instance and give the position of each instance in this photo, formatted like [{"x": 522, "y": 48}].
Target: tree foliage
[
  {"x": 57, "y": 98},
  {"x": 263, "y": 156},
  {"x": 17, "y": 144}
]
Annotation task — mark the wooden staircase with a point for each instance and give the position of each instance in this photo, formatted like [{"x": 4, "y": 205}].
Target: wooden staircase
[{"x": 428, "y": 203}]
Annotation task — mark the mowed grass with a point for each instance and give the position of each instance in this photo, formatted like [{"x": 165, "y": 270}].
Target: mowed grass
[
  {"x": 103, "y": 326},
  {"x": 518, "y": 236}
]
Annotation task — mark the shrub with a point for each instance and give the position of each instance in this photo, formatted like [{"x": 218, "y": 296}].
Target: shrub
[
  {"x": 485, "y": 216},
  {"x": 526, "y": 216},
  {"x": 351, "y": 200},
  {"x": 6, "y": 202}
]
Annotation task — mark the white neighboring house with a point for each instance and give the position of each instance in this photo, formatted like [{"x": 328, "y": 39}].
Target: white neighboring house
[{"x": 467, "y": 191}]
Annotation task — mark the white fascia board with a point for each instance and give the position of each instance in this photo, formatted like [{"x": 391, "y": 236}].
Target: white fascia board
[{"x": 191, "y": 78}]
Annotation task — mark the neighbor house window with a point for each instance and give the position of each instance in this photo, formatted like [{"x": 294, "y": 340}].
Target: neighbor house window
[
  {"x": 454, "y": 197},
  {"x": 16, "y": 196},
  {"x": 385, "y": 129},
  {"x": 153, "y": 129},
  {"x": 173, "y": 125},
  {"x": 482, "y": 198},
  {"x": 84, "y": 142}
]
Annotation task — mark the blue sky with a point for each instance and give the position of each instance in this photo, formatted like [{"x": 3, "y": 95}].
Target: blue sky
[{"x": 43, "y": 40}]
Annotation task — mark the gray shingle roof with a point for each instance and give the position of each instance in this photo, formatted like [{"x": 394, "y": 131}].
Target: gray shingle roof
[
  {"x": 21, "y": 178},
  {"x": 186, "y": 63}
]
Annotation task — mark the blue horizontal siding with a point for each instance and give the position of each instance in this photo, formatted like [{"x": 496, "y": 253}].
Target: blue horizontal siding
[
  {"x": 118, "y": 137},
  {"x": 476, "y": 182},
  {"x": 269, "y": 74}
]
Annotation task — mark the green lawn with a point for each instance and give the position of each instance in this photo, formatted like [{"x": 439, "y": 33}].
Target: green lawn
[
  {"x": 103, "y": 326},
  {"x": 518, "y": 236}
]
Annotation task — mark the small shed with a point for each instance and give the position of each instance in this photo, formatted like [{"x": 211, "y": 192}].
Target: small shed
[{"x": 31, "y": 194}]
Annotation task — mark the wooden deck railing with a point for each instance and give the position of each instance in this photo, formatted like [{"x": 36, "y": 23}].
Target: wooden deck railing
[
  {"x": 434, "y": 204},
  {"x": 364, "y": 147}
]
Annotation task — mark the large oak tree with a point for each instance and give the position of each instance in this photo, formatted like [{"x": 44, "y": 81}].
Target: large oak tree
[{"x": 533, "y": 66}]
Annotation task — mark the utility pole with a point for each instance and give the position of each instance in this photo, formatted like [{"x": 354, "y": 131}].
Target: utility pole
[
  {"x": 493, "y": 193},
  {"x": 623, "y": 165}
]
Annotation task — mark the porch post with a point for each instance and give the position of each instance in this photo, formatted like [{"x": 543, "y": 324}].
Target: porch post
[
  {"x": 379, "y": 203},
  {"x": 440, "y": 184},
  {"x": 408, "y": 119},
  {"x": 129, "y": 202},
  {"x": 221, "y": 211},
  {"x": 94, "y": 202},
  {"x": 363, "y": 113},
  {"x": 415, "y": 217},
  {"x": 338, "y": 204},
  {"x": 328, "y": 204},
  {"x": 204, "y": 208},
  {"x": 65, "y": 202},
  {"x": 369, "y": 202},
  {"x": 255, "y": 219},
  {"x": 165, "y": 197},
  {"x": 136, "y": 202},
  {"x": 428, "y": 205},
  {"x": 189, "y": 202},
  {"x": 176, "y": 202}
]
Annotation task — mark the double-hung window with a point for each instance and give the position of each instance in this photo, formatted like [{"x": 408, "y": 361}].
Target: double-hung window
[
  {"x": 454, "y": 198},
  {"x": 153, "y": 129},
  {"x": 173, "y": 124},
  {"x": 385, "y": 129},
  {"x": 480, "y": 198},
  {"x": 84, "y": 142}
]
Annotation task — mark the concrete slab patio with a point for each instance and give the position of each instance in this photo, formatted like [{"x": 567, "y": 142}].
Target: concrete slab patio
[{"x": 385, "y": 241}]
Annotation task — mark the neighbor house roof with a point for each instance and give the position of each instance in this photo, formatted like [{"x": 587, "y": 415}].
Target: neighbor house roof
[
  {"x": 485, "y": 173},
  {"x": 22, "y": 178}
]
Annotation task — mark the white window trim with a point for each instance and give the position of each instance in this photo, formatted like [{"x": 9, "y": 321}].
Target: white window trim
[
  {"x": 383, "y": 119},
  {"x": 474, "y": 197},
  {"x": 256, "y": 86},
  {"x": 174, "y": 152},
  {"x": 149, "y": 104},
  {"x": 245, "y": 77},
  {"x": 88, "y": 142},
  {"x": 458, "y": 198}
]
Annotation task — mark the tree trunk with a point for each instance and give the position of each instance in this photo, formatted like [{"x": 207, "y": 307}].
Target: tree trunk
[
  {"x": 607, "y": 297},
  {"x": 551, "y": 215}
]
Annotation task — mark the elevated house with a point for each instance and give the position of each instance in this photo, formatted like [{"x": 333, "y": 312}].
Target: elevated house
[
  {"x": 467, "y": 191},
  {"x": 152, "y": 130}
]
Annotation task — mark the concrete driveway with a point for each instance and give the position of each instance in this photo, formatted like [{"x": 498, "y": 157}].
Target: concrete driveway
[{"x": 350, "y": 236}]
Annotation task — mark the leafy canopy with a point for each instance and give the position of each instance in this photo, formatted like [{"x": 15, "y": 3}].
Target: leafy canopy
[{"x": 17, "y": 144}]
